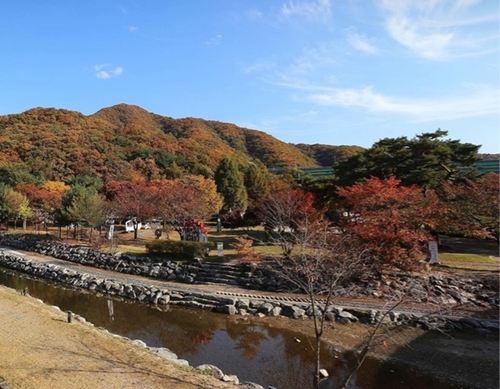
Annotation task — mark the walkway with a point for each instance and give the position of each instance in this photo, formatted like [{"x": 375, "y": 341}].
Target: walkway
[{"x": 235, "y": 291}]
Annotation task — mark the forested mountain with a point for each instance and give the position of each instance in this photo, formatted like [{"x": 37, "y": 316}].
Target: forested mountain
[
  {"x": 125, "y": 142},
  {"x": 327, "y": 155}
]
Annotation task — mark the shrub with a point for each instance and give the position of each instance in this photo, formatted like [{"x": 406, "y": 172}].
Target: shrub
[{"x": 183, "y": 248}]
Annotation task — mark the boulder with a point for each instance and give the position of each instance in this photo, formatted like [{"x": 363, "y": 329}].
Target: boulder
[
  {"x": 265, "y": 308},
  {"x": 214, "y": 371},
  {"x": 292, "y": 311}
]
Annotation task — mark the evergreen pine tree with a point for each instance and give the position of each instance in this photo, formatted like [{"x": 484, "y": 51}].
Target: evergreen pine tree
[{"x": 230, "y": 185}]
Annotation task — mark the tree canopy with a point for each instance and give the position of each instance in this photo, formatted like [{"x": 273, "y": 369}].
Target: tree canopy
[
  {"x": 230, "y": 185},
  {"x": 424, "y": 160}
]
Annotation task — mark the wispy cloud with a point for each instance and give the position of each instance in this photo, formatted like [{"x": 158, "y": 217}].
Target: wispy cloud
[
  {"x": 438, "y": 29},
  {"x": 475, "y": 100},
  {"x": 260, "y": 66},
  {"x": 319, "y": 10},
  {"x": 360, "y": 42},
  {"x": 310, "y": 60},
  {"x": 215, "y": 41},
  {"x": 255, "y": 14},
  {"x": 133, "y": 28},
  {"x": 106, "y": 71}
]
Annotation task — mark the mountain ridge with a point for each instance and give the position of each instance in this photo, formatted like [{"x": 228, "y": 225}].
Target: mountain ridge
[{"x": 126, "y": 142}]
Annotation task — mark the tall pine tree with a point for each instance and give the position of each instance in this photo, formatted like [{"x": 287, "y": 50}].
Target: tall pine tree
[
  {"x": 230, "y": 185},
  {"x": 257, "y": 182}
]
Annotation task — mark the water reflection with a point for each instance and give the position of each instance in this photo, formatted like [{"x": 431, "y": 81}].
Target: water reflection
[{"x": 258, "y": 353}]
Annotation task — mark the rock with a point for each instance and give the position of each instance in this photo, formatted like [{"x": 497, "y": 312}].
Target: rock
[
  {"x": 276, "y": 311},
  {"x": 330, "y": 316},
  {"x": 293, "y": 311},
  {"x": 470, "y": 322},
  {"x": 213, "y": 370},
  {"x": 310, "y": 311},
  {"x": 164, "y": 299},
  {"x": 231, "y": 378},
  {"x": 227, "y": 309},
  {"x": 347, "y": 315},
  {"x": 491, "y": 325},
  {"x": 265, "y": 308},
  {"x": 167, "y": 354},
  {"x": 333, "y": 308},
  {"x": 243, "y": 304},
  {"x": 181, "y": 362},
  {"x": 139, "y": 343},
  {"x": 250, "y": 385},
  {"x": 255, "y": 304}
]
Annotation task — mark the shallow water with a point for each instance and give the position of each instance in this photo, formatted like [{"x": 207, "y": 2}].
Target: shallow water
[{"x": 257, "y": 353}]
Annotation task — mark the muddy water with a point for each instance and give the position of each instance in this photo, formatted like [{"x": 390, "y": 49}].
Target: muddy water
[{"x": 257, "y": 353}]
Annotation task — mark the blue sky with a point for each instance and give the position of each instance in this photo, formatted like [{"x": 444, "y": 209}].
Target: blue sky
[{"x": 340, "y": 72}]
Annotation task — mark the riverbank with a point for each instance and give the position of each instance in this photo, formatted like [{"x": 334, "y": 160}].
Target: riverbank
[
  {"x": 469, "y": 359},
  {"x": 41, "y": 350},
  {"x": 463, "y": 359}
]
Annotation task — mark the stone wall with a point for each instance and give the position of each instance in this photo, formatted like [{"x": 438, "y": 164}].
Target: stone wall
[{"x": 230, "y": 303}]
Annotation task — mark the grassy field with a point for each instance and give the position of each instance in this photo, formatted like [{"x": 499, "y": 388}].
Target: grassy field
[
  {"x": 468, "y": 253},
  {"x": 460, "y": 253}
]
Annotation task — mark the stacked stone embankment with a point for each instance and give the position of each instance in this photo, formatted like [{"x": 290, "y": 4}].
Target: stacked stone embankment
[{"x": 441, "y": 290}]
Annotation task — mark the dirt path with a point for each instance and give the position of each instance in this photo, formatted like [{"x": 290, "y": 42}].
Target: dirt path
[{"x": 236, "y": 291}]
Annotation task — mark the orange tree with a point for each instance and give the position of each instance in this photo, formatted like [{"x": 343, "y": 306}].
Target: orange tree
[
  {"x": 392, "y": 220},
  {"x": 315, "y": 258},
  {"x": 472, "y": 206},
  {"x": 178, "y": 201},
  {"x": 130, "y": 200},
  {"x": 45, "y": 200}
]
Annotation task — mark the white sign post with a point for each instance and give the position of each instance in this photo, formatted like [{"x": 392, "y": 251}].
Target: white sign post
[
  {"x": 433, "y": 249},
  {"x": 220, "y": 249}
]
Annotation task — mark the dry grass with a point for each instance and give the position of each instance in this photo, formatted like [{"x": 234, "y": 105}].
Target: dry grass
[{"x": 41, "y": 350}]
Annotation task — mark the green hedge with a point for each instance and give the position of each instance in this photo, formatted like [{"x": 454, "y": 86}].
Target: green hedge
[{"x": 183, "y": 248}]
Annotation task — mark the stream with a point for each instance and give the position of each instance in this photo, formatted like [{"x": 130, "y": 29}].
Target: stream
[{"x": 259, "y": 353}]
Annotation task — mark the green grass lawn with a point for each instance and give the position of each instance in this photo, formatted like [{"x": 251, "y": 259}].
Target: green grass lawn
[
  {"x": 467, "y": 258},
  {"x": 454, "y": 252}
]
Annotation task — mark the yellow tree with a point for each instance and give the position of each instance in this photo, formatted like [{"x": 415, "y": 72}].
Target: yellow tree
[{"x": 20, "y": 206}]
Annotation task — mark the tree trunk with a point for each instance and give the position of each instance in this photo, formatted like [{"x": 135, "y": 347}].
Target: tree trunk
[{"x": 317, "y": 362}]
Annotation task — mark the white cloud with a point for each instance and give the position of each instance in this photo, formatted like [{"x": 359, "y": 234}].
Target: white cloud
[
  {"x": 319, "y": 10},
  {"x": 476, "y": 100},
  {"x": 255, "y": 14},
  {"x": 215, "y": 41},
  {"x": 309, "y": 61},
  {"x": 438, "y": 29},
  {"x": 105, "y": 71},
  {"x": 360, "y": 42},
  {"x": 133, "y": 28},
  {"x": 260, "y": 66}
]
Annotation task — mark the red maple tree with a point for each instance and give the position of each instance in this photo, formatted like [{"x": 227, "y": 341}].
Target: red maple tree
[{"x": 393, "y": 220}]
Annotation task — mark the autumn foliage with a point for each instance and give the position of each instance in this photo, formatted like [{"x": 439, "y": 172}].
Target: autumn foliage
[
  {"x": 391, "y": 219},
  {"x": 472, "y": 206}
]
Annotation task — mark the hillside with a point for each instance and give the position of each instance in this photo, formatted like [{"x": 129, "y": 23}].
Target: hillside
[
  {"x": 126, "y": 142},
  {"x": 327, "y": 155}
]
